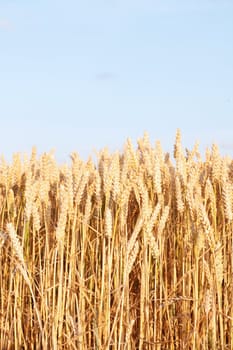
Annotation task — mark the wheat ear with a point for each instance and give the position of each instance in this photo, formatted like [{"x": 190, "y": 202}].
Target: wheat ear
[{"x": 22, "y": 268}]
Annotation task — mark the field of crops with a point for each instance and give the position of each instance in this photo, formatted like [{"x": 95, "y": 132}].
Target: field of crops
[{"x": 133, "y": 251}]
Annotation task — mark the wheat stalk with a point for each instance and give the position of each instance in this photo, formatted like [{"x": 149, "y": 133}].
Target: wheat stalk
[{"x": 18, "y": 249}]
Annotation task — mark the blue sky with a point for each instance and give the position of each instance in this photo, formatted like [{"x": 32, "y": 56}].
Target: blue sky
[{"x": 80, "y": 75}]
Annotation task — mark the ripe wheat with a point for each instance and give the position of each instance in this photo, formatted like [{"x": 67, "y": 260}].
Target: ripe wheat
[{"x": 131, "y": 252}]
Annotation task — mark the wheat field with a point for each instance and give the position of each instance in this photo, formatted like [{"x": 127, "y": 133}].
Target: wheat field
[{"x": 133, "y": 251}]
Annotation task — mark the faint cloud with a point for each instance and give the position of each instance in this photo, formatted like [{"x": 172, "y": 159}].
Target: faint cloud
[
  {"x": 105, "y": 76},
  {"x": 5, "y": 24}
]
